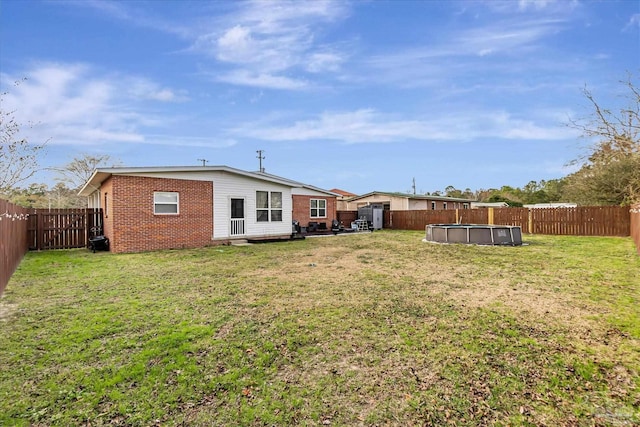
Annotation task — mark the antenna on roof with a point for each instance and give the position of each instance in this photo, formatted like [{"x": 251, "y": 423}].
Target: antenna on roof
[
  {"x": 204, "y": 161},
  {"x": 261, "y": 158}
]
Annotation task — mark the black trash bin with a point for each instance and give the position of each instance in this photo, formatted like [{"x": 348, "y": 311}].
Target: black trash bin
[{"x": 99, "y": 243}]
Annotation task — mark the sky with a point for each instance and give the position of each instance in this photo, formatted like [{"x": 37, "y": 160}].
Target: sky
[{"x": 357, "y": 95}]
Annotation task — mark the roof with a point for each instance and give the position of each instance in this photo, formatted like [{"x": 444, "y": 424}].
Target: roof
[
  {"x": 411, "y": 196},
  {"x": 551, "y": 205},
  {"x": 489, "y": 204},
  {"x": 342, "y": 192},
  {"x": 296, "y": 184},
  {"x": 101, "y": 174}
]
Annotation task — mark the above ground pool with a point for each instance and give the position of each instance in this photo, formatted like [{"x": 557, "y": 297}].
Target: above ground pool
[{"x": 477, "y": 234}]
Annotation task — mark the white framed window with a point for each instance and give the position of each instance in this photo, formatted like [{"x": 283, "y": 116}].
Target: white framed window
[
  {"x": 318, "y": 208},
  {"x": 276, "y": 206},
  {"x": 465, "y": 206},
  {"x": 166, "y": 203},
  {"x": 268, "y": 206},
  {"x": 433, "y": 206},
  {"x": 262, "y": 206},
  {"x": 444, "y": 205}
]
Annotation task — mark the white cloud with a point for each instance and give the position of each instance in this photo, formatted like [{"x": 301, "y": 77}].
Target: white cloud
[
  {"x": 70, "y": 104},
  {"x": 262, "y": 80},
  {"x": 634, "y": 22},
  {"x": 504, "y": 37},
  {"x": 144, "y": 89},
  {"x": 531, "y": 6},
  {"x": 268, "y": 42},
  {"x": 535, "y": 4},
  {"x": 324, "y": 61},
  {"x": 503, "y": 49},
  {"x": 190, "y": 141},
  {"x": 370, "y": 126},
  {"x": 236, "y": 45},
  {"x": 125, "y": 11}
]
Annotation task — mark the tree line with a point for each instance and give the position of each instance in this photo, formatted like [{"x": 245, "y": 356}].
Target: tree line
[
  {"x": 64, "y": 194},
  {"x": 545, "y": 191}
]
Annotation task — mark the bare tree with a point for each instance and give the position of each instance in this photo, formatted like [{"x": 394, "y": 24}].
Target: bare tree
[
  {"x": 18, "y": 157},
  {"x": 610, "y": 172},
  {"x": 77, "y": 172}
]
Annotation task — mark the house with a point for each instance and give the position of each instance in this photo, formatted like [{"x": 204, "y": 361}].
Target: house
[
  {"x": 150, "y": 208},
  {"x": 406, "y": 202},
  {"x": 343, "y": 196},
  {"x": 551, "y": 205},
  {"x": 481, "y": 205}
]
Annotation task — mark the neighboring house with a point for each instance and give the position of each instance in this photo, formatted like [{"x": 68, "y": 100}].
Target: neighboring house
[
  {"x": 342, "y": 198},
  {"x": 150, "y": 208},
  {"x": 479, "y": 205},
  {"x": 551, "y": 205},
  {"x": 407, "y": 202}
]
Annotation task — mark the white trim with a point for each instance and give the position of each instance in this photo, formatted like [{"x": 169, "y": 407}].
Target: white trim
[
  {"x": 317, "y": 208},
  {"x": 238, "y": 226},
  {"x": 165, "y": 203}
]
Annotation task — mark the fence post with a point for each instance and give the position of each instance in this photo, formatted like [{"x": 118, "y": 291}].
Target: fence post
[
  {"x": 530, "y": 220},
  {"x": 88, "y": 224},
  {"x": 457, "y": 216},
  {"x": 39, "y": 227},
  {"x": 490, "y": 219}
]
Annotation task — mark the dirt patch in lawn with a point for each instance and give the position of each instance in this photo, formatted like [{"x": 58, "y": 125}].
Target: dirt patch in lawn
[
  {"x": 7, "y": 311},
  {"x": 324, "y": 275}
]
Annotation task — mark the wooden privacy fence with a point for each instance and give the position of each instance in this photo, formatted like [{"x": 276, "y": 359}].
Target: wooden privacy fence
[
  {"x": 63, "y": 228},
  {"x": 13, "y": 239},
  {"x": 22, "y": 229},
  {"x": 579, "y": 221}
]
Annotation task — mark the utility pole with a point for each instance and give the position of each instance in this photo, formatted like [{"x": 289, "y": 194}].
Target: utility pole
[
  {"x": 414, "y": 185},
  {"x": 261, "y": 158},
  {"x": 204, "y": 161}
]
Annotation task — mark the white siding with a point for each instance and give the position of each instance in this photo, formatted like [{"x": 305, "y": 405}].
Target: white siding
[
  {"x": 419, "y": 205},
  {"x": 93, "y": 201},
  {"x": 300, "y": 191},
  {"x": 396, "y": 203},
  {"x": 227, "y": 186}
]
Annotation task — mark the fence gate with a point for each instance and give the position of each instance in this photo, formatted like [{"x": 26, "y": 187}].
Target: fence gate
[{"x": 63, "y": 228}]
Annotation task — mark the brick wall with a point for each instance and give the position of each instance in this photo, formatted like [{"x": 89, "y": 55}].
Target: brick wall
[
  {"x": 302, "y": 209},
  {"x": 133, "y": 227}
]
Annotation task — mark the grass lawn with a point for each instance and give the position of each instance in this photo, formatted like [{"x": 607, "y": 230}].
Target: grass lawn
[{"x": 371, "y": 329}]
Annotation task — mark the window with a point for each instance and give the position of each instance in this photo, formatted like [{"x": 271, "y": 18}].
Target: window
[
  {"x": 433, "y": 206},
  {"x": 276, "y": 206},
  {"x": 262, "y": 206},
  {"x": 444, "y": 205},
  {"x": 318, "y": 208},
  {"x": 237, "y": 208},
  {"x": 165, "y": 203},
  {"x": 268, "y": 206},
  {"x": 465, "y": 206}
]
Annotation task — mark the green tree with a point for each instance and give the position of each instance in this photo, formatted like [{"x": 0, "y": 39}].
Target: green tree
[
  {"x": 40, "y": 196},
  {"x": 501, "y": 198}
]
